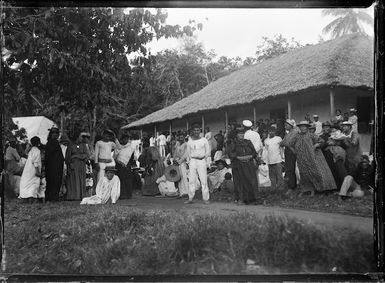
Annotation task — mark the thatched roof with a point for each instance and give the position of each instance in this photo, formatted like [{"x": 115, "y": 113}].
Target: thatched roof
[{"x": 346, "y": 61}]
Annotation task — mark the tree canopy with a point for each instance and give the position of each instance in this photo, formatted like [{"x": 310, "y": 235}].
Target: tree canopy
[
  {"x": 347, "y": 21},
  {"x": 78, "y": 57}
]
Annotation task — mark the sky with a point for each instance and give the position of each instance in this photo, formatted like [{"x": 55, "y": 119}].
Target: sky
[{"x": 237, "y": 32}]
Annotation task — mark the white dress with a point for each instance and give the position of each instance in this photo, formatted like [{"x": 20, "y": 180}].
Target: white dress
[
  {"x": 105, "y": 190},
  {"x": 29, "y": 182}
]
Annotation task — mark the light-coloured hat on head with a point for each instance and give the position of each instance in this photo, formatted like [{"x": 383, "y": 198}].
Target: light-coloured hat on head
[
  {"x": 291, "y": 122},
  {"x": 303, "y": 123},
  {"x": 347, "y": 123},
  {"x": 247, "y": 123},
  {"x": 315, "y": 116},
  {"x": 352, "y": 110}
]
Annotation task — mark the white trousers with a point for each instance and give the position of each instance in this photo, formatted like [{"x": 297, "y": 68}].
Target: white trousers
[
  {"x": 350, "y": 183},
  {"x": 162, "y": 150},
  {"x": 183, "y": 183},
  {"x": 102, "y": 167},
  {"x": 198, "y": 168}
]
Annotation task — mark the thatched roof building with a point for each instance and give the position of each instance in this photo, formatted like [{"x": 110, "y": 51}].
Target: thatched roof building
[{"x": 343, "y": 62}]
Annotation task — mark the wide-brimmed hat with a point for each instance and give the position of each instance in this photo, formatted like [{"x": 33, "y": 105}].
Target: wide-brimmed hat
[
  {"x": 54, "y": 130},
  {"x": 347, "y": 123},
  {"x": 85, "y": 134},
  {"x": 247, "y": 123},
  {"x": 108, "y": 132},
  {"x": 110, "y": 168},
  {"x": 64, "y": 138},
  {"x": 327, "y": 123},
  {"x": 222, "y": 161},
  {"x": 172, "y": 173},
  {"x": 291, "y": 122},
  {"x": 303, "y": 123}
]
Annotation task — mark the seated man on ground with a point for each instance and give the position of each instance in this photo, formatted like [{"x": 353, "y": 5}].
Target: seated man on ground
[
  {"x": 166, "y": 188},
  {"x": 106, "y": 189}
]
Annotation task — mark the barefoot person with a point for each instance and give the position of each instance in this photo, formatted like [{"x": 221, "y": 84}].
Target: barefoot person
[
  {"x": 198, "y": 151},
  {"x": 30, "y": 179},
  {"x": 108, "y": 188},
  {"x": 242, "y": 153}
]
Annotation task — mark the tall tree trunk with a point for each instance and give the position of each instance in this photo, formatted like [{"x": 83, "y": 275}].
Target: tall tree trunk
[
  {"x": 207, "y": 76},
  {"x": 93, "y": 125}
]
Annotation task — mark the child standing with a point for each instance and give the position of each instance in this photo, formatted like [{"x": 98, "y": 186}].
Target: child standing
[{"x": 274, "y": 159}]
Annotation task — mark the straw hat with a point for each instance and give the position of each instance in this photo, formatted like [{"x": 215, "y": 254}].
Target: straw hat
[
  {"x": 303, "y": 123},
  {"x": 290, "y": 122},
  {"x": 110, "y": 169},
  {"x": 172, "y": 173},
  {"x": 247, "y": 123}
]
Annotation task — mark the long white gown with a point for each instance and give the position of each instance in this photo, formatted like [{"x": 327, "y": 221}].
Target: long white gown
[
  {"x": 29, "y": 182},
  {"x": 105, "y": 190}
]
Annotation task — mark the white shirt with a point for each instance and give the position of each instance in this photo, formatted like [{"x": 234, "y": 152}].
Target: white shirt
[
  {"x": 152, "y": 141},
  {"x": 124, "y": 152},
  {"x": 255, "y": 139},
  {"x": 199, "y": 149},
  {"x": 161, "y": 140},
  {"x": 274, "y": 151},
  {"x": 318, "y": 127},
  {"x": 354, "y": 120}
]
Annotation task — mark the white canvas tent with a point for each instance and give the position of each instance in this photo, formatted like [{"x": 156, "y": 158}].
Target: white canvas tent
[{"x": 35, "y": 126}]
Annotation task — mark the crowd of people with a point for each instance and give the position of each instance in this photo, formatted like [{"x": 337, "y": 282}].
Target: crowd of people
[{"x": 307, "y": 157}]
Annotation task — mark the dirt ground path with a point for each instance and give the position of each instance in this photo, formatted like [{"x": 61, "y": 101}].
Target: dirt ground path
[{"x": 364, "y": 224}]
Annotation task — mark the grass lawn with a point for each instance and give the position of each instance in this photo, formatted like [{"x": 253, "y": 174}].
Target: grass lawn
[
  {"x": 106, "y": 239},
  {"x": 318, "y": 202}
]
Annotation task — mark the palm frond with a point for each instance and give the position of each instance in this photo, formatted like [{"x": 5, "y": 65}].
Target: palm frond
[
  {"x": 335, "y": 12},
  {"x": 365, "y": 17},
  {"x": 331, "y": 26}
]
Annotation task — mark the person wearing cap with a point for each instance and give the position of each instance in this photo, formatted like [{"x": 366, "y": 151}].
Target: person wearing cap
[
  {"x": 318, "y": 125},
  {"x": 252, "y": 136},
  {"x": 54, "y": 165},
  {"x": 353, "y": 119},
  {"x": 103, "y": 153},
  {"x": 123, "y": 158},
  {"x": 76, "y": 156},
  {"x": 198, "y": 152},
  {"x": 314, "y": 172},
  {"x": 180, "y": 158},
  {"x": 30, "y": 179},
  {"x": 290, "y": 158},
  {"x": 352, "y": 147},
  {"x": 216, "y": 178},
  {"x": 108, "y": 188},
  {"x": 242, "y": 154}
]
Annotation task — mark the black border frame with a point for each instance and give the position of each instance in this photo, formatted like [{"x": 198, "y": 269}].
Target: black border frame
[{"x": 378, "y": 198}]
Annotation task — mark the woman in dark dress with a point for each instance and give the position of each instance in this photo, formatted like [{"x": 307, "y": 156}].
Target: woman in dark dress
[
  {"x": 151, "y": 160},
  {"x": 54, "y": 163},
  {"x": 77, "y": 155},
  {"x": 242, "y": 153}
]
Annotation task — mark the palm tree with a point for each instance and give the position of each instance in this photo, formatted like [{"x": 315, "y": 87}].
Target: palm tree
[{"x": 348, "y": 21}]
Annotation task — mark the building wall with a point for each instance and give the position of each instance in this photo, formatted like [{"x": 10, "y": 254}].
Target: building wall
[{"x": 312, "y": 102}]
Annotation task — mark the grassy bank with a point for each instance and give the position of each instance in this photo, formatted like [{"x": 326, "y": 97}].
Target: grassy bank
[
  {"x": 318, "y": 202},
  {"x": 119, "y": 240}
]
